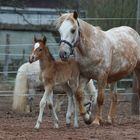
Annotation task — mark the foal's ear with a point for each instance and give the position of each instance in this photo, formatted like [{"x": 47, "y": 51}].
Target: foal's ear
[
  {"x": 44, "y": 39},
  {"x": 35, "y": 40},
  {"x": 75, "y": 15},
  {"x": 60, "y": 14}
]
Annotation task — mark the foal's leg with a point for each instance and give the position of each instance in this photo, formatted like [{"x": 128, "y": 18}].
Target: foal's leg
[
  {"x": 47, "y": 97},
  {"x": 75, "y": 108},
  {"x": 71, "y": 107},
  {"x": 53, "y": 112},
  {"x": 113, "y": 95}
]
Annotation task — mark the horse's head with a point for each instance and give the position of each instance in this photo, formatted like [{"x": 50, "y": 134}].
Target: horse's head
[
  {"x": 39, "y": 45},
  {"x": 68, "y": 27}
]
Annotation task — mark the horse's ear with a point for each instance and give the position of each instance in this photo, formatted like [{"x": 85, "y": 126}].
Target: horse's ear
[
  {"x": 75, "y": 15},
  {"x": 44, "y": 39},
  {"x": 35, "y": 40}
]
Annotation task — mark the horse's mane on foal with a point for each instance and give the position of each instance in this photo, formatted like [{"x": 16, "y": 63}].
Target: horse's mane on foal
[{"x": 50, "y": 55}]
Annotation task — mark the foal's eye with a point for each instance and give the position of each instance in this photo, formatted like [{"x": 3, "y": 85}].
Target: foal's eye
[
  {"x": 40, "y": 49},
  {"x": 72, "y": 31}
]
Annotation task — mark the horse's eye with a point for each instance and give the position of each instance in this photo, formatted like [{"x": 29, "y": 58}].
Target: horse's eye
[{"x": 72, "y": 31}]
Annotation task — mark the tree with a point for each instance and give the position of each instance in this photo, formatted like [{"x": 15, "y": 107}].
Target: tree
[{"x": 111, "y": 9}]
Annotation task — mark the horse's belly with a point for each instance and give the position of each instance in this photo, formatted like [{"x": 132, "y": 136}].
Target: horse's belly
[
  {"x": 90, "y": 71},
  {"x": 121, "y": 68},
  {"x": 117, "y": 76}
]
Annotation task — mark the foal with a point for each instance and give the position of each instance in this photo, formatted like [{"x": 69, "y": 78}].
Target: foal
[{"x": 53, "y": 73}]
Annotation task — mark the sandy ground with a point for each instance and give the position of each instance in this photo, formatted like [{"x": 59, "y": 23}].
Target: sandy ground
[{"x": 15, "y": 126}]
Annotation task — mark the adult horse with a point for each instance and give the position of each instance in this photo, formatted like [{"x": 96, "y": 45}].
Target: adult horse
[
  {"x": 28, "y": 81},
  {"x": 106, "y": 56}
]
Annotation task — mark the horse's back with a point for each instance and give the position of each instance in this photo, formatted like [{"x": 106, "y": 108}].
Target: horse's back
[
  {"x": 125, "y": 45},
  {"x": 124, "y": 38}
]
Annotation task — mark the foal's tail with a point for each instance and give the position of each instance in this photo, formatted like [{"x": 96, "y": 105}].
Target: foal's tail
[{"x": 20, "y": 89}]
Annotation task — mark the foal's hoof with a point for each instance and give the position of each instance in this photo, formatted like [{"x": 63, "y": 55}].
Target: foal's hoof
[
  {"x": 88, "y": 119},
  {"x": 36, "y": 128},
  {"x": 110, "y": 120},
  {"x": 68, "y": 125},
  {"x": 56, "y": 126}
]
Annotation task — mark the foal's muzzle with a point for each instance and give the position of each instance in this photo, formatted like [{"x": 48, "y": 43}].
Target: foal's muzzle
[{"x": 31, "y": 59}]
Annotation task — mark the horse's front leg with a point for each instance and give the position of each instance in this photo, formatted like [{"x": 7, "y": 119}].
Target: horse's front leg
[
  {"x": 100, "y": 99},
  {"x": 47, "y": 97}
]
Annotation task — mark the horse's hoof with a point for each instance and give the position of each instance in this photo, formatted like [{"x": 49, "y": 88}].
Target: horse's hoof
[
  {"x": 88, "y": 119},
  {"x": 97, "y": 122}
]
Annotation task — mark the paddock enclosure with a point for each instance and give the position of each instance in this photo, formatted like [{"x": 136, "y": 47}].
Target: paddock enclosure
[
  {"x": 17, "y": 29},
  {"x": 19, "y": 126}
]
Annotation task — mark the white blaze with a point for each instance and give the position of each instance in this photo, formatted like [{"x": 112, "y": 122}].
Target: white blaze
[
  {"x": 65, "y": 30},
  {"x": 36, "y": 46}
]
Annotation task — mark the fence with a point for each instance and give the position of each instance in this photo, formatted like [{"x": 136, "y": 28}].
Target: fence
[{"x": 15, "y": 53}]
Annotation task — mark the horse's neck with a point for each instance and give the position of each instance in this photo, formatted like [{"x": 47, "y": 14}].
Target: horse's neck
[
  {"x": 47, "y": 60},
  {"x": 88, "y": 37}
]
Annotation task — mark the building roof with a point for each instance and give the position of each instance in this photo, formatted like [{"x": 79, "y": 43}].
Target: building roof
[{"x": 60, "y": 4}]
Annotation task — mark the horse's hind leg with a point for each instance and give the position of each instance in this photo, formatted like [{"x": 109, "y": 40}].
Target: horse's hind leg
[
  {"x": 100, "y": 99},
  {"x": 113, "y": 95}
]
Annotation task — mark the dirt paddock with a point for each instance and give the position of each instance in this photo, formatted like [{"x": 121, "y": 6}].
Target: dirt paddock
[{"x": 15, "y": 126}]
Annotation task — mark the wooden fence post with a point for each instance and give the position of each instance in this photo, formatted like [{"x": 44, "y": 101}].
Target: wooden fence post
[
  {"x": 135, "y": 100},
  {"x": 6, "y": 61}
]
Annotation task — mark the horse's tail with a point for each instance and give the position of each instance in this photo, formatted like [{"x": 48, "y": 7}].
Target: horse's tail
[{"x": 20, "y": 89}]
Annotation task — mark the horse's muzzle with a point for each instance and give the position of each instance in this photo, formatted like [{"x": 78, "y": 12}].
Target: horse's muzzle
[{"x": 63, "y": 55}]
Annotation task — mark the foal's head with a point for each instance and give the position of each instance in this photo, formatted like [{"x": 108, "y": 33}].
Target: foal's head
[
  {"x": 68, "y": 27},
  {"x": 38, "y": 50}
]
